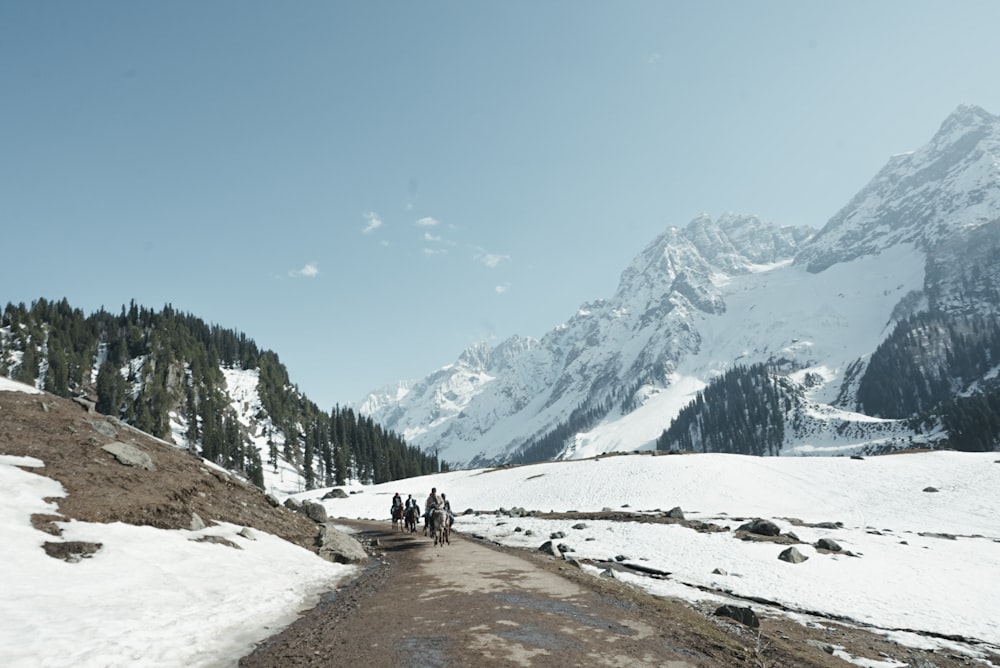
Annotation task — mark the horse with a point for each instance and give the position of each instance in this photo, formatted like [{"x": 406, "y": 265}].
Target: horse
[
  {"x": 397, "y": 518},
  {"x": 439, "y": 527},
  {"x": 410, "y": 518}
]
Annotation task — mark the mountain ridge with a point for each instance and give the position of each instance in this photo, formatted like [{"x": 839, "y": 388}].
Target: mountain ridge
[{"x": 674, "y": 324}]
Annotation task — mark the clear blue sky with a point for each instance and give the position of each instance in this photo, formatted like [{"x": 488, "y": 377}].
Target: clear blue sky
[{"x": 367, "y": 188}]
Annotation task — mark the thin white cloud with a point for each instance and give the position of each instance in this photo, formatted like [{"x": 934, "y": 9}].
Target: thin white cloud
[
  {"x": 374, "y": 222},
  {"x": 654, "y": 58},
  {"x": 436, "y": 238},
  {"x": 435, "y": 251},
  {"x": 502, "y": 288},
  {"x": 491, "y": 260},
  {"x": 310, "y": 270},
  {"x": 427, "y": 221}
]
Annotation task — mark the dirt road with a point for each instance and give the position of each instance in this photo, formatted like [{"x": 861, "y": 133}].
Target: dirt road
[{"x": 472, "y": 604}]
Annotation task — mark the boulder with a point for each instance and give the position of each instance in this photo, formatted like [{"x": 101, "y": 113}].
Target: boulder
[
  {"x": 335, "y": 493},
  {"x": 675, "y": 513},
  {"x": 744, "y": 616},
  {"x": 792, "y": 556},
  {"x": 828, "y": 544},
  {"x": 761, "y": 527},
  {"x": 293, "y": 504},
  {"x": 340, "y": 548},
  {"x": 314, "y": 511},
  {"x": 548, "y": 548},
  {"x": 129, "y": 455}
]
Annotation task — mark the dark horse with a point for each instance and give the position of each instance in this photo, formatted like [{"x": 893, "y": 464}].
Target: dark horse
[
  {"x": 439, "y": 527},
  {"x": 410, "y": 518},
  {"x": 397, "y": 518}
]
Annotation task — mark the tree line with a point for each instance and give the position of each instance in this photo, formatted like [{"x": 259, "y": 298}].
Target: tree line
[
  {"x": 140, "y": 365},
  {"x": 742, "y": 412}
]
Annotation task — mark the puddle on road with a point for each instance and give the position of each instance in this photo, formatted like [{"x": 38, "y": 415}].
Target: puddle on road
[
  {"x": 565, "y": 609},
  {"x": 425, "y": 652}
]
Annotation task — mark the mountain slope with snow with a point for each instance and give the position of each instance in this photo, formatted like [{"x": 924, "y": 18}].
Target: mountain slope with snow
[{"x": 718, "y": 294}]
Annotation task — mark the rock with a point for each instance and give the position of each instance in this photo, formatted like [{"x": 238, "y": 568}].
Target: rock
[
  {"x": 579, "y": 526},
  {"x": 564, "y": 548},
  {"x": 608, "y": 573},
  {"x": 197, "y": 524},
  {"x": 293, "y": 504},
  {"x": 272, "y": 500},
  {"x": 71, "y": 551},
  {"x": 931, "y": 489},
  {"x": 247, "y": 533},
  {"x": 129, "y": 455},
  {"x": 335, "y": 493},
  {"x": 792, "y": 556},
  {"x": 548, "y": 548},
  {"x": 857, "y": 457},
  {"x": 555, "y": 535},
  {"x": 105, "y": 428},
  {"x": 761, "y": 527},
  {"x": 675, "y": 513},
  {"x": 340, "y": 548},
  {"x": 88, "y": 405},
  {"x": 744, "y": 616},
  {"x": 720, "y": 571},
  {"x": 621, "y": 557},
  {"x": 218, "y": 540},
  {"x": 828, "y": 544},
  {"x": 314, "y": 511}
]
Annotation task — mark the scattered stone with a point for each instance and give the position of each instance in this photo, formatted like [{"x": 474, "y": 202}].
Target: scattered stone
[
  {"x": 579, "y": 526},
  {"x": 564, "y": 548},
  {"x": 105, "y": 428},
  {"x": 857, "y": 457},
  {"x": 573, "y": 562},
  {"x": 129, "y": 455},
  {"x": 247, "y": 533},
  {"x": 555, "y": 535},
  {"x": 197, "y": 524},
  {"x": 518, "y": 529},
  {"x": 761, "y": 527},
  {"x": 293, "y": 504},
  {"x": 335, "y": 493},
  {"x": 548, "y": 548},
  {"x": 792, "y": 556},
  {"x": 314, "y": 511},
  {"x": 272, "y": 500},
  {"x": 931, "y": 489},
  {"x": 71, "y": 551},
  {"x": 744, "y": 616},
  {"x": 720, "y": 571},
  {"x": 675, "y": 513},
  {"x": 529, "y": 532},
  {"x": 933, "y": 534},
  {"x": 828, "y": 544},
  {"x": 620, "y": 557},
  {"x": 90, "y": 406},
  {"x": 218, "y": 540},
  {"x": 340, "y": 548},
  {"x": 608, "y": 573}
]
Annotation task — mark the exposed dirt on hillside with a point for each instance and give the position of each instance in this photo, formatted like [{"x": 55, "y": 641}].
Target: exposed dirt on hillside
[
  {"x": 69, "y": 440},
  {"x": 468, "y": 603}
]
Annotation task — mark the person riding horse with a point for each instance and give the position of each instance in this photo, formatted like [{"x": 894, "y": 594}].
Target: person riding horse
[{"x": 397, "y": 510}]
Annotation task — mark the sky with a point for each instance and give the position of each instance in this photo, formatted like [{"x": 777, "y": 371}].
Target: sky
[
  {"x": 902, "y": 571},
  {"x": 369, "y": 188}
]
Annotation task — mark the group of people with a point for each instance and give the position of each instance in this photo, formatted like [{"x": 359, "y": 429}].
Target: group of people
[{"x": 434, "y": 501}]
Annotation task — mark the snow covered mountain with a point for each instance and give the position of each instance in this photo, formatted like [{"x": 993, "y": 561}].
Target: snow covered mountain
[{"x": 807, "y": 308}]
